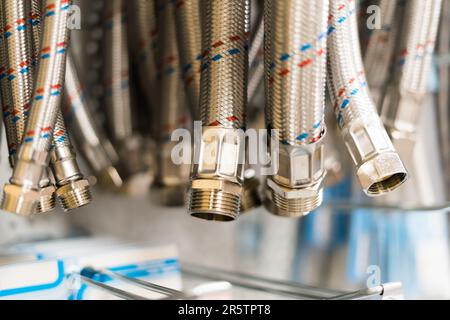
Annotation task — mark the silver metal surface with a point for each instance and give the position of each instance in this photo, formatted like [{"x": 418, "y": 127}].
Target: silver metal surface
[
  {"x": 378, "y": 167},
  {"x": 381, "y": 48},
  {"x": 402, "y": 105},
  {"x": 217, "y": 177},
  {"x": 188, "y": 29},
  {"x": 295, "y": 66},
  {"x": 34, "y": 151}
]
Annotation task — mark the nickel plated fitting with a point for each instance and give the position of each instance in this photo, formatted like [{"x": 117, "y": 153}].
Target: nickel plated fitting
[
  {"x": 73, "y": 190},
  {"x": 297, "y": 187},
  {"x": 217, "y": 175},
  {"x": 378, "y": 166}
]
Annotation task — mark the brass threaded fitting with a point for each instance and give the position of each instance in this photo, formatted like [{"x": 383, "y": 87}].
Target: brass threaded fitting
[
  {"x": 74, "y": 194},
  {"x": 19, "y": 200},
  {"x": 216, "y": 200},
  {"x": 292, "y": 208},
  {"x": 47, "y": 200}
]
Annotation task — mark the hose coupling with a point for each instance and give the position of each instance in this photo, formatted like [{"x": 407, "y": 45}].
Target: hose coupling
[
  {"x": 22, "y": 195},
  {"x": 137, "y": 175},
  {"x": 172, "y": 179},
  {"x": 378, "y": 166},
  {"x": 297, "y": 187},
  {"x": 400, "y": 114},
  {"x": 73, "y": 190},
  {"x": 217, "y": 174}
]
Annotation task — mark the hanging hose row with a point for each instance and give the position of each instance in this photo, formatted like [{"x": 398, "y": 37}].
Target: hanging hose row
[{"x": 166, "y": 64}]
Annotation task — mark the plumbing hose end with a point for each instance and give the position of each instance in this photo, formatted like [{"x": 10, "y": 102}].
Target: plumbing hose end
[
  {"x": 138, "y": 184},
  {"x": 74, "y": 194},
  {"x": 250, "y": 195},
  {"x": 214, "y": 199},
  {"x": 110, "y": 178},
  {"x": 169, "y": 196},
  {"x": 381, "y": 174},
  {"x": 292, "y": 202},
  {"x": 47, "y": 201},
  {"x": 19, "y": 200}
]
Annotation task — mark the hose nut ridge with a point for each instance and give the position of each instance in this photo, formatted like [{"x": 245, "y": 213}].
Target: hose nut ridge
[{"x": 216, "y": 183}]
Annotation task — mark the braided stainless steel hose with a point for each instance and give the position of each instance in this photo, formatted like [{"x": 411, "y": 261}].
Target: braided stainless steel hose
[
  {"x": 381, "y": 48},
  {"x": 171, "y": 179},
  {"x": 378, "y": 166},
  {"x": 407, "y": 90},
  {"x": 73, "y": 190},
  {"x": 21, "y": 195},
  {"x": 145, "y": 48},
  {"x": 48, "y": 190},
  {"x": 89, "y": 137},
  {"x": 217, "y": 172},
  {"x": 187, "y": 14},
  {"x": 117, "y": 99},
  {"x": 295, "y": 62},
  {"x": 20, "y": 64},
  {"x": 256, "y": 62}
]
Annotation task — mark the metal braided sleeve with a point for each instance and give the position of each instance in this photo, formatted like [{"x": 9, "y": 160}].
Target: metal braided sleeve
[
  {"x": 225, "y": 63},
  {"x": 256, "y": 60},
  {"x": 187, "y": 15},
  {"x": 295, "y": 55},
  {"x": 405, "y": 93},
  {"x": 6, "y": 97},
  {"x": 17, "y": 75},
  {"x": 50, "y": 79},
  {"x": 116, "y": 72},
  {"x": 379, "y": 167},
  {"x": 172, "y": 113},
  {"x": 347, "y": 81},
  {"x": 381, "y": 47},
  {"x": 90, "y": 139},
  {"x": 49, "y": 83},
  {"x": 144, "y": 35}
]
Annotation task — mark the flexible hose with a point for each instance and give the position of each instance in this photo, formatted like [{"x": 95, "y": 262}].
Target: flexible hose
[
  {"x": 20, "y": 195},
  {"x": 144, "y": 41},
  {"x": 216, "y": 184},
  {"x": 116, "y": 72},
  {"x": 379, "y": 168},
  {"x": 295, "y": 71},
  {"x": 225, "y": 63},
  {"x": 404, "y": 97},
  {"x": 187, "y": 15},
  {"x": 89, "y": 137},
  {"x": 381, "y": 47},
  {"x": 256, "y": 61},
  {"x": 172, "y": 113},
  {"x": 17, "y": 77},
  {"x": 171, "y": 179},
  {"x": 295, "y": 55}
]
